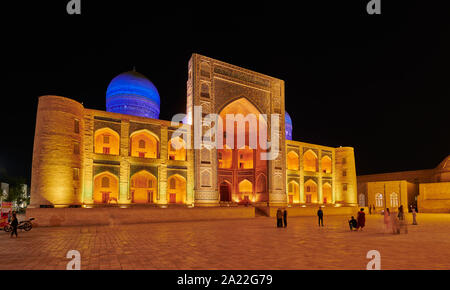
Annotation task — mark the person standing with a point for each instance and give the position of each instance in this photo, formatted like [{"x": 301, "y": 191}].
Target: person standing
[
  {"x": 387, "y": 221},
  {"x": 320, "y": 215},
  {"x": 395, "y": 224},
  {"x": 361, "y": 219},
  {"x": 370, "y": 209},
  {"x": 14, "y": 224},
  {"x": 414, "y": 214},
  {"x": 285, "y": 217},
  {"x": 400, "y": 213},
  {"x": 279, "y": 218}
]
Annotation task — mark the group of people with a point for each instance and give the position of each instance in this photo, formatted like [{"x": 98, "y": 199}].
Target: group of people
[
  {"x": 282, "y": 217},
  {"x": 359, "y": 222},
  {"x": 396, "y": 222}
]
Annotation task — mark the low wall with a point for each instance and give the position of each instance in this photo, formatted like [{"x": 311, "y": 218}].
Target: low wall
[
  {"x": 116, "y": 216},
  {"x": 312, "y": 211},
  {"x": 434, "y": 197}
]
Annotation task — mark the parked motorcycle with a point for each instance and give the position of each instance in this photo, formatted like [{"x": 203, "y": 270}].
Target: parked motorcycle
[{"x": 23, "y": 225}]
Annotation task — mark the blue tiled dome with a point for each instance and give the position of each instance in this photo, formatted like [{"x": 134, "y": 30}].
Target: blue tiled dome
[
  {"x": 288, "y": 125},
  {"x": 133, "y": 94}
]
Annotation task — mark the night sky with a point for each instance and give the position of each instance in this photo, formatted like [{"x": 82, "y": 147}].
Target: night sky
[{"x": 378, "y": 83}]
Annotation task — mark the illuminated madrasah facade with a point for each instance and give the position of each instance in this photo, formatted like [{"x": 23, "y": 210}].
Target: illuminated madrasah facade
[{"x": 126, "y": 155}]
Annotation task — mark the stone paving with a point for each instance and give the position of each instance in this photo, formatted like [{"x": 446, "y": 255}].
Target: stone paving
[{"x": 232, "y": 244}]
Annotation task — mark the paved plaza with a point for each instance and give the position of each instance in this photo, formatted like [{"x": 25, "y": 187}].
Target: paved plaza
[{"x": 232, "y": 244}]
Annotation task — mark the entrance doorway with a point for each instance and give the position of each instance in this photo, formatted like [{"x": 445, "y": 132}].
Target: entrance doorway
[{"x": 225, "y": 194}]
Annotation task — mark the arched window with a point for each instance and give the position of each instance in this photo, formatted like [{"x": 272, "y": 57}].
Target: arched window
[
  {"x": 326, "y": 193},
  {"x": 177, "y": 189},
  {"x": 177, "y": 149},
  {"x": 326, "y": 164},
  {"x": 106, "y": 188},
  {"x": 310, "y": 161},
  {"x": 292, "y": 160},
  {"x": 394, "y": 199},
  {"x": 144, "y": 144},
  {"x": 245, "y": 186},
  {"x": 379, "y": 200},
  {"x": 106, "y": 141},
  {"x": 293, "y": 192},
  {"x": 311, "y": 191},
  {"x": 143, "y": 187}
]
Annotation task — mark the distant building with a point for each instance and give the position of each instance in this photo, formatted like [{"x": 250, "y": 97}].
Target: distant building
[{"x": 427, "y": 189}]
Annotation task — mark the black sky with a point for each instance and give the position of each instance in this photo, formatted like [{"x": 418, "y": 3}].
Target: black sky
[{"x": 377, "y": 83}]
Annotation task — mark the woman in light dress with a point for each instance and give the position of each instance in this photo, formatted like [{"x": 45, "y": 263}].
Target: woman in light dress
[{"x": 387, "y": 221}]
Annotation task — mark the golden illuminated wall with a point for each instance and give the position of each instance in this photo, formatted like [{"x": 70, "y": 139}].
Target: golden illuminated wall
[
  {"x": 144, "y": 145},
  {"x": 57, "y": 166},
  {"x": 434, "y": 197},
  {"x": 107, "y": 141},
  {"x": 345, "y": 176},
  {"x": 106, "y": 188}
]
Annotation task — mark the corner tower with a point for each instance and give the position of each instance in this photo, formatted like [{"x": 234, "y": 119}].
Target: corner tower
[
  {"x": 346, "y": 186},
  {"x": 56, "y": 177}
]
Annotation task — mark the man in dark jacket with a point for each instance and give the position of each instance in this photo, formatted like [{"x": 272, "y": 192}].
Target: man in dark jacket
[
  {"x": 320, "y": 215},
  {"x": 285, "y": 217},
  {"x": 353, "y": 223},
  {"x": 14, "y": 224},
  {"x": 279, "y": 218}
]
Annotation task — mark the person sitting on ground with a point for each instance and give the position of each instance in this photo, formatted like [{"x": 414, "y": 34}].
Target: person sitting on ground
[{"x": 353, "y": 223}]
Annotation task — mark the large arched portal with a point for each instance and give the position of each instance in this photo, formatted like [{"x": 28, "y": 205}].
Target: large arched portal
[
  {"x": 176, "y": 192},
  {"x": 242, "y": 151},
  {"x": 106, "y": 188},
  {"x": 143, "y": 187}
]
